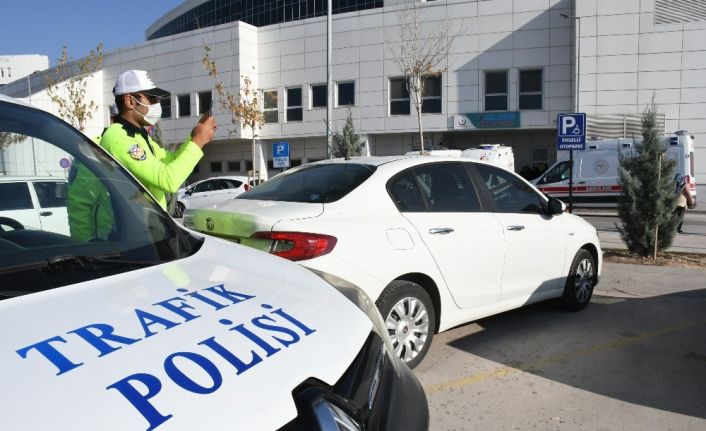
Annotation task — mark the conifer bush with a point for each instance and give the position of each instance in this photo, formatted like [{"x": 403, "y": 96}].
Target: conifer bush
[
  {"x": 347, "y": 144},
  {"x": 648, "y": 197}
]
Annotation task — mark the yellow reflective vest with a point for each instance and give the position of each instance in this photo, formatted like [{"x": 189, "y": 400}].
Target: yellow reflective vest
[{"x": 159, "y": 170}]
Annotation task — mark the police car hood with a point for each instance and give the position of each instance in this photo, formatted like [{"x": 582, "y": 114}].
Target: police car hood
[{"x": 214, "y": 341}]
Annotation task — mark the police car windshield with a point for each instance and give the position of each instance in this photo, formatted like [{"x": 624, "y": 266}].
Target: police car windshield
[
  {"x": 65, "y": 205},
  {"x": 317, "y": 183}
]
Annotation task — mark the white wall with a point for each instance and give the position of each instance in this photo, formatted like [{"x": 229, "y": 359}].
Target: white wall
[
  {"x": 14, "y": 67},
  {"x": 626, "y": 60}
]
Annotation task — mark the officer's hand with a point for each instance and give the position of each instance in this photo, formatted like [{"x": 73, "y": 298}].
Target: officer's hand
[{"x": 204, "y": 130}]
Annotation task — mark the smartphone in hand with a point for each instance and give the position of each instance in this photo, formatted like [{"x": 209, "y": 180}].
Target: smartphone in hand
[{"x": 205, "y": 115}]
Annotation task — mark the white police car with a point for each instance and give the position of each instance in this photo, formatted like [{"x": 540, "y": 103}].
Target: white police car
[{"x": 133, "y": 322}]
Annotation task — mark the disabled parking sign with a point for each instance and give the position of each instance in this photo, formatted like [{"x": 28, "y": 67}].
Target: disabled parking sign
[
  {"x": 280, "y": 154},
  {"x": 571, "y": 131}
]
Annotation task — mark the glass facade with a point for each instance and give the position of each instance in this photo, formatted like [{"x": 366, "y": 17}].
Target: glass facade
[{"x": 256, "y": 12}]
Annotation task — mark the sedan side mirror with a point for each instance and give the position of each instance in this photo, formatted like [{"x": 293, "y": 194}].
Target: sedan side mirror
[
  {"x": 556, "y": 207},
  {"x": 189, "y": 191}
]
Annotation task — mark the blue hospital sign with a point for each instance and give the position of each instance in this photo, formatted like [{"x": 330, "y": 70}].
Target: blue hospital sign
[
  {"x": 280, "y": 154},
  {"x": 571, "y": 131}
]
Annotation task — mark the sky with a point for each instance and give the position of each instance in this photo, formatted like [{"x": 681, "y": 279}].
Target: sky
[{"x": 45, "y": 26}]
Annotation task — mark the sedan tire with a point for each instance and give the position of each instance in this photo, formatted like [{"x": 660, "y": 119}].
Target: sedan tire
[
  {"x": 410, "y": 319},
  {"x": 580, "y": 282}
]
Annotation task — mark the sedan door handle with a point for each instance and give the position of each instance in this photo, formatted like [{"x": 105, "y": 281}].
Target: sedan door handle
[
  {"x": 515, "y": 227},
  {"x": 440, "y": 230},
  {"x": 45, "y": 213}
]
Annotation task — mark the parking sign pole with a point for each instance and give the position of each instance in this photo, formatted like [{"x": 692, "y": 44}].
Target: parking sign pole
[{"x": 571, "y": 181}]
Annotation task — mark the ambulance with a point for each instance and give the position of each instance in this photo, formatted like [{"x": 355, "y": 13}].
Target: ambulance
[
  {"x": 495, "y": 154},
  {"x": 595, "y": 173},
  {"x": 149, "y": 326}
]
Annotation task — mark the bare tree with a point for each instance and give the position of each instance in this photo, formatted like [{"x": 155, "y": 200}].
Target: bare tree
[
  {"x": 8, "y": 138},
  {"x": 70, "y": 98},
  {"x": 420, "y": 52},
  {"x": 244, "y": 109}
]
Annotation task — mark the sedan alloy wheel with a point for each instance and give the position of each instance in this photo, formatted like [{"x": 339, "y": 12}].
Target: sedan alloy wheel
[{"x": 410, "y": 320}]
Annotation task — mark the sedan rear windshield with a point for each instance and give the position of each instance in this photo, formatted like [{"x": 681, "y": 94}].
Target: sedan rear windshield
[{"x": 316, "y": 183}]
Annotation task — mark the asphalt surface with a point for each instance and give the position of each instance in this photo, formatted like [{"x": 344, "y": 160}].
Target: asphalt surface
[
  {"x": 693, "y": 240},
  {"x": 634, "y": 359}
]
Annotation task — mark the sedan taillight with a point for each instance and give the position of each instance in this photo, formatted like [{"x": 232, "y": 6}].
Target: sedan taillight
[
  {"x": 298, "y": 245},
  {"x": 247, "y": 187}
]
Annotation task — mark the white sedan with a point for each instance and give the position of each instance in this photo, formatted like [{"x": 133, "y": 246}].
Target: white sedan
[
  {"x": 435, "y": 241},
  {"x": 209, "y": 192}
]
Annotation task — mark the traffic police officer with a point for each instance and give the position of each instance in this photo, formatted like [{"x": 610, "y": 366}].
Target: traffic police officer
[
  {"x": 160, "y": 171},
  {"x": 88, "y": 200}
]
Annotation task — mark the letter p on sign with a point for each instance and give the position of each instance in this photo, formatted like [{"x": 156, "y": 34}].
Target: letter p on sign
[{"x": 567, "y": 123}]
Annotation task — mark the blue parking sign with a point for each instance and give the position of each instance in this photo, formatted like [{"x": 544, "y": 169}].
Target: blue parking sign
[
  {"x": 571, "y": 131},
  {"x": 280, "y": 154}
]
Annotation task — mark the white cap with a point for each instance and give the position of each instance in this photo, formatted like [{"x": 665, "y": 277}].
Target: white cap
[{"x": 137, "y": 81}]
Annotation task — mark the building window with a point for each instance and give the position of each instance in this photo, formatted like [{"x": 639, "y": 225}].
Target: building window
[
  {"x": 346, "y": 94},
  {"x": 205, "y": 100},
  {"x": 166, "y": 103},
  {"x": 431, "y": 98},
  {"x": 319, "y": 96},
  {"x": 531, "y": 89},
  {"x": 294, "y": 104},
  {"x": 270, "y": 106},
  {"x": 496, "y": 90},
  {"x": 234, "y": 166},
  {"x": 399, "y": 97},
  {"x": 216, "y": 167},
  {"x": 184, "y": 104}
]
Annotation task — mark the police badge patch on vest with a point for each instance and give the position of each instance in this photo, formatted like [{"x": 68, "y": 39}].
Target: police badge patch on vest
[{"x": 137, "y": 153}]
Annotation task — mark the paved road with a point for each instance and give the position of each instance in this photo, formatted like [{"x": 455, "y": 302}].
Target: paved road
[
  {"x": 693, "y": 240},
  {"x": 635, "y": 359}
]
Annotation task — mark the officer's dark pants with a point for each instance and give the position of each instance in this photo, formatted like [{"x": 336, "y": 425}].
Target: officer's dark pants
[{"x": 679, "y": 214}]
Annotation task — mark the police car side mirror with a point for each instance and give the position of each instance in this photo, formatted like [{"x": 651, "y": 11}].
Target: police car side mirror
[{"x": 555, "y": 206}]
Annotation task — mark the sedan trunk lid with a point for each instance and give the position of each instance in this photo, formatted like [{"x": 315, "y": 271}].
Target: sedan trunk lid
[{"x": 238, "y": 219}]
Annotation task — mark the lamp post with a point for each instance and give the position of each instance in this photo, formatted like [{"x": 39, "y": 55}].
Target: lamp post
[
  {"x": 329, "y": 79},
  {"x": 578, "y": 104},
  {"x": 29, "y": 100},
  {"x": 578, "y": 56}
]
